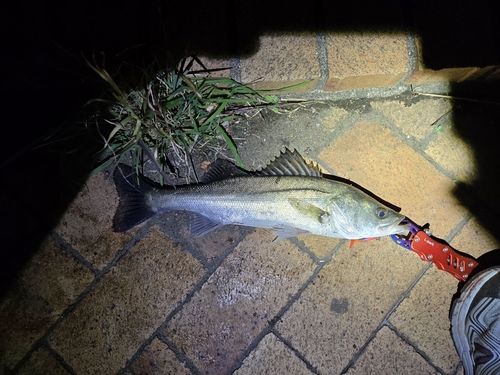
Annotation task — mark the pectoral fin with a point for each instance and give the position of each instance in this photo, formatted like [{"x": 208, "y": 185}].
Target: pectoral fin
[{"x": 310, "y": 210}]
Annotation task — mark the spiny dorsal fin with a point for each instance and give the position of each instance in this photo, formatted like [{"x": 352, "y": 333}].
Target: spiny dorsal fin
[
  {"x": 221, "y": 170},
  {"x": 290, "y": 164}
]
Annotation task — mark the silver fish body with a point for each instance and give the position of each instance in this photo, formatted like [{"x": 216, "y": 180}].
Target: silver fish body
[{"x": 289, "y": 196}]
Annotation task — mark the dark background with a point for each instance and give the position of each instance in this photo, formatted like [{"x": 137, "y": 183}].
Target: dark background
[{"x": 45, "y": 82}]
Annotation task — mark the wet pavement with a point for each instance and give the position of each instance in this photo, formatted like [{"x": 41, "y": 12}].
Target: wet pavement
[{"x": 156, "y": 301}]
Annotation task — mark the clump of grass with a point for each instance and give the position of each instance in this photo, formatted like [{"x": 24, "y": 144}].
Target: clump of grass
[{"x": 172, "y": 112}]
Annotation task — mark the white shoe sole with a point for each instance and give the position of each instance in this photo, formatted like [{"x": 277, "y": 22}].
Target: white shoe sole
[{"x": 460, "y": 308}]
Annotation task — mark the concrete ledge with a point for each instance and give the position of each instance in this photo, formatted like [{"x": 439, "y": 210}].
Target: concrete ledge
[
  {"x": 420, "y": 77},
  {"x": 341, "y": 61},
  {"x": 454, "y": 75}
]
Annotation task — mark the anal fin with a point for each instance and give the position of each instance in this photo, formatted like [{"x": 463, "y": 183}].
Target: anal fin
[
  {"x": 201, "y": 225},
  {"x": 353, "y": 242}
]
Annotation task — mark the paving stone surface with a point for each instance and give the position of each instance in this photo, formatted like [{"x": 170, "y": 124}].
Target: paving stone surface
[
  {"x": 415, "y": 119},
  {"x": 42, "y": 362},
  {"x": 157, "y": 358},
  {"x": 272, "y": 357},
  {"x": 473, "y": 239},
  {"x": 347, "y": 301},
  {"x": 87, "y": 224},
  {"x": 238, "y": 301},
  {"x": 453, "y": 153},
  {"x": 49, "y": 283},
  {"x": 320, "y": 246},
  {"x": 103, "y": 333},
  {"x": 399, "y": 357},
  {"x": 423, "y": 318}
]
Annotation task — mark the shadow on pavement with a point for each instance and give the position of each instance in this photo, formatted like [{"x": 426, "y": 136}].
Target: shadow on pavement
[{"x": 477, "y": 121}]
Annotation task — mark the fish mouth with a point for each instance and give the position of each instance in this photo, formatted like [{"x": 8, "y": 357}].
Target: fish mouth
[{"x": 401, "y": 227}]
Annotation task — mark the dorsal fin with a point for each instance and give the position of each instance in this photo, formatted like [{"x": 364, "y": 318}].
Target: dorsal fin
[
  {"x": 290, "y": 164},
  {"x": 221, "y": 170}
]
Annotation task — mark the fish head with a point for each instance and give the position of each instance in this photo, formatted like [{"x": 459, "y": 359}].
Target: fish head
[{"x": 356, "y": 215}]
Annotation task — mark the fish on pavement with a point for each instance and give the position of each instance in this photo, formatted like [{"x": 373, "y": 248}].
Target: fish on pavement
[{"x": 289, "y": 196}]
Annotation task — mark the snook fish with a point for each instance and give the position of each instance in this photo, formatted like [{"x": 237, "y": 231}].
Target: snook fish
[{"x": 289, "y": 196}]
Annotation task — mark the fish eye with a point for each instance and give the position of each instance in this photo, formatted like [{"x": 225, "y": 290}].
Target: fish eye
[{"x": 381, "y": 212}]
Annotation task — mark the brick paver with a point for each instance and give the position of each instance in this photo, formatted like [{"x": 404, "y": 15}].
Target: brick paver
[
  {"x": 127, "y": 306},
  {"x": 345, "y": 304},
  {"x": 399, "y": 357},
  {"x": 237, "y": 302},
  {"x": 272, "y": 356}
]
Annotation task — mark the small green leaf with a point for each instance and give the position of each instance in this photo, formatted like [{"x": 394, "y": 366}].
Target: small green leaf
[{"x": 272, "y": 99}]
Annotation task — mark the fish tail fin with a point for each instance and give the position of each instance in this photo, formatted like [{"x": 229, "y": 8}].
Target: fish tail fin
[{"x": 132, "y": 207}]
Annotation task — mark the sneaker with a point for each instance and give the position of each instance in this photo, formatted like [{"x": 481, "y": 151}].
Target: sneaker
[{"x": 475, "y": 323}]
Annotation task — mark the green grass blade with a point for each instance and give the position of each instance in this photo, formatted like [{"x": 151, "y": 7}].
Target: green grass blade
[
  {"x": 288, "y": 88},
  {"x": 230, "y": 144}
]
